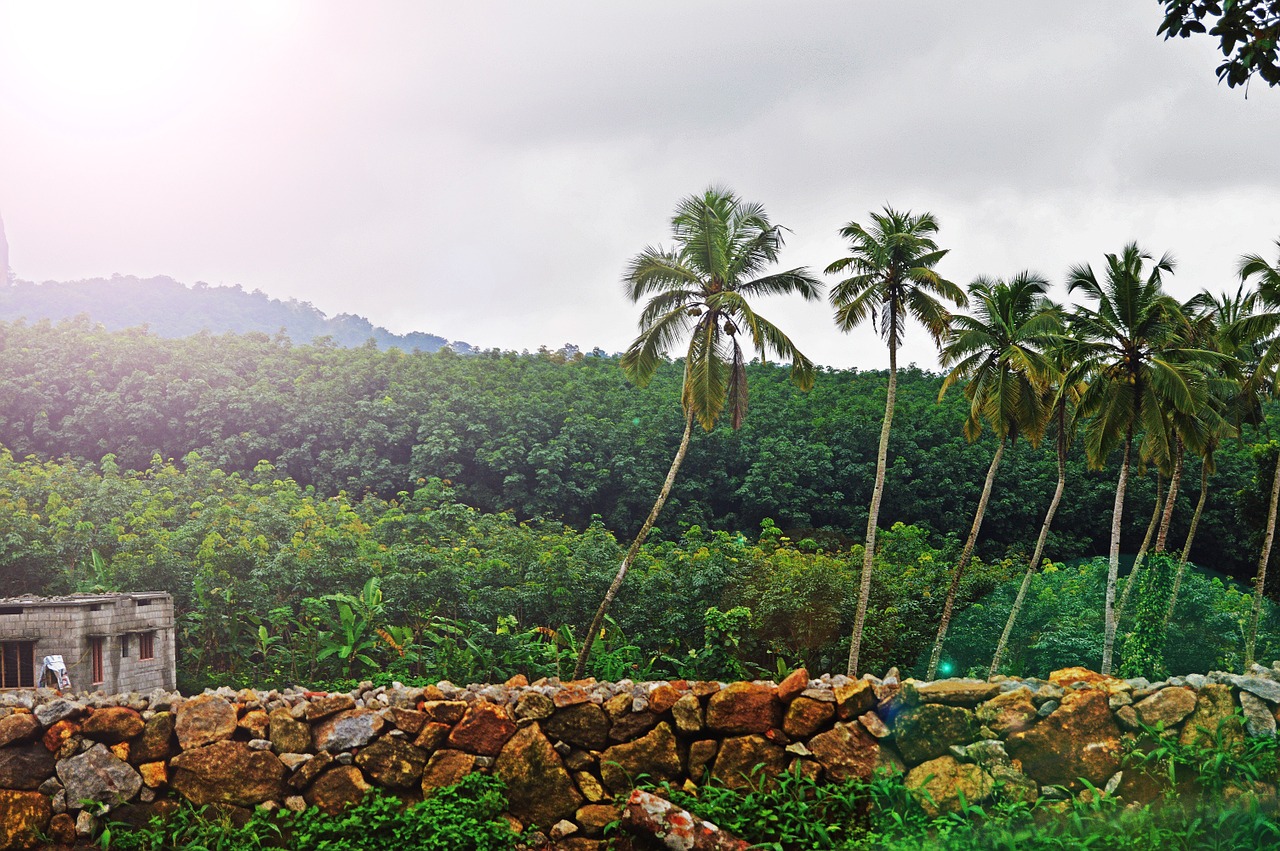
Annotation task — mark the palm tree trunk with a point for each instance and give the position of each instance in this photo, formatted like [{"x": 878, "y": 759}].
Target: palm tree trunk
[
  {"x": 1191, "y": 536},
  {"x": 873, "y": 515},
  {"x": 1260, "y": 582},
  {"x": 1169, "y": 500},
  {"x": 949, "y": 606},
  {"x": 589, "y": 637},
  {"x": 1034, "y": 564},
  {"x": 1132, "y": 581},
  {"x": 1113, "y": 565}
]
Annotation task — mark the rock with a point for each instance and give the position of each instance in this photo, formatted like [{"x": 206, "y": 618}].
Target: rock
[
  {"x": 748, "y": 762},
  {"x": 627, "y": 724},
  {"x": 62, "y": 830},
  {"x": 589, "y": 786},
  {"x": 227, "y": 773},
  {"x": 539, "y": 789},
  {"x": 154, "y": 774},
  {"x": 483, "y": 730},
  {"x": 744, "y": 708},
  {"x": 18, "y": 728},
  {"x": 1259, "y": 721},
  {"x": 1127, "y": 718},
  {"x": 927, "y": 731},
  {"x": 445, "y": 711},
  {"x": 846, "y": 751},
  {"x": 1009, "y": 712},
  {"x": 582, "y": 725},
  {"x": 794, "y": 683},
  {"x": 1066, "y": 677},
  {"x": 25, "y": 767},
  {"x": 287, "y": 734},
  {"x": 309, "y": 770},
  {"x": 56, "y": 737},
  {"x": 61, "y": 709},
  {"x": 1214, "y": 718},
  {"x": 254, "y": 722},
  {"x": 654, "y": 755},
  {"x": 687, "y": 712},
  {"x": 86, "y": 824},
  {"x": 112, "y": 724},
  {"x": 433, "y": 735},
  {"x": 534, "y": 705},
  {"x": 805, "y": 717},
  {"x": 1166, "y": 708},
  {"x": 594, "y": 818},
  {"x": 330, "y": 704},
  {"x": 872, "y": 723},
  {"x": 204, "y": 719},
  {"x": 445, "y": 768},
  {"x": 410, "y": 721},
  {"x": 662, "y": 698},
  {"x": 99, "y": 775},
  {"x": 701, "y": 755},
  {"x": 958, "y": 692},
  {"x": 941, "y": 784},
  {"x": 1263, "y": 687},
  {"x": 337, "y": 788},
  {"x": 673, "y": 827},
  {"x": 24, "y": 817},
  {"x": 393, "y": 763},
  {"x": 854, "y": 698},
  {"x": 1079, "y": 739},
  {"x": 345, "y": 730},
  {"x": 155, "y": 744}
]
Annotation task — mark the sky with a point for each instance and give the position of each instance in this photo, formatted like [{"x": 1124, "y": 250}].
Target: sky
[{"x": 484, "y": 170}]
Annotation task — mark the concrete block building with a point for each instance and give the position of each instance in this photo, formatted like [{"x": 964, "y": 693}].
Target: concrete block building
[{"x": 109, "y": 642}]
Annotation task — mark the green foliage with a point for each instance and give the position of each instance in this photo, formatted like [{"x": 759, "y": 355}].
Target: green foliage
[
  {"x": 1143, "y": 654},
  {"x": 465, "y": 817}
]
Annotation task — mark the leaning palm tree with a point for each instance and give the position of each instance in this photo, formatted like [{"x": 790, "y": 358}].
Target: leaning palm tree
[
  {"x": 1063, "y": 393},
  {"x": 1265, "y": 377},
  {"x": 999, "y": 353},
  {"x": 1132, "y": 335},
  {"x": 701, "y": 288},
  {"x": 891, "y": 279}
]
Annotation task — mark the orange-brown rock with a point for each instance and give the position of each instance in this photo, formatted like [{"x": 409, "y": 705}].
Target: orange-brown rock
[
  {"x": 483, "y": 730},
  {"x": 539, "y": 789},
  {"x": 662, "y": 698},
  {"x": 20, "y": 727},
  {"x": 748, "y": 762},
  {"x": 58, "y": 733},
  {"x": 846, "y": 751},
  {"x": 701, "y": 755},
  {"x": 1066, "y": 677},
  {"x": 337, "y": 788},
  {"x": 518, "y": 681},
  {"x": 654, "y": 755},
  {"x": 392, "y": 762},
  {"x": 308, "y": 771},
  {"x": 1079, "y": 739},
  {"x": 154, "y": 774},
  {"x": 204, "y": 719},
  {"x": 855, "y": 698},
  {"x": 594, "y": 818},
  {"x": 409, "y": 720},
  {"x": 445, "y": 711},
  {"x": 957, "y": 692},
  {"x": 156, "y": 742},
  {"x": 24, "y": 816},
  {"x": 1009, "y": 712},
  {"x": 1167, "y": 707},
  {"x": 943, "y": 785},
  {"x": 744, "y": 708},
  {"x": 62, "y": 829},
  {"x": 254, "y": 722},
  {"x": 806, "y": 716},
  {"x": 329, "y": 704},
  {"x": 445, "y": 768},
  {"x": 227, "y": 773},
  {"x": 794, "y": 683},
  {"x": 25, "y": 767},
  {"x": 583, "y": 725},
  {"x": 432, "y": 736}
]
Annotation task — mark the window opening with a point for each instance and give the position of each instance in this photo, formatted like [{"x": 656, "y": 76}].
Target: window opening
[
  {"x": 95, "y": 647},
  {"x": 146, "y": 645}
]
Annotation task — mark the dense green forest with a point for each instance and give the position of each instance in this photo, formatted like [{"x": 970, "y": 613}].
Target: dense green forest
[
  {"x": 171, "y": 309},
  {"x": 321, "y": 512},
  {"x": 566, "y": 437}
]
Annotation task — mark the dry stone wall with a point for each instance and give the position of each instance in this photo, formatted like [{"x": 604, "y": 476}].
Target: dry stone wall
[{"x": 571, "y": 752}]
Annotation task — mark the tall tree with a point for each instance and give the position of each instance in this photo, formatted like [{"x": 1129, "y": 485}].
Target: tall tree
[
  {"x": 999, "y": 353},
  {"x": 1264, "y": 327},
  {"x": 1130, "y": 334},
  {"x": 891, "y": 278},
  {"x": 1248, "y": 33},
  {"x": 702, "y": 288},
  {"x": 1064, "y": 391}
]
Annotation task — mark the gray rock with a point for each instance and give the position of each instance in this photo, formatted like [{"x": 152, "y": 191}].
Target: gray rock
[
  {"x": 1197, "y": 681},
  {"x": 1047, "y": 708},
  {"x": 49, "y": 714},
  {"x": 99, "y": 775},
  {"x": 1258, "y": 718},
  {"x": 1113, "y": 783},
  {"x": 1267, "y": 689},
  {"x": 1120, "y": 699},
  {"x": 86, "y": 825}
]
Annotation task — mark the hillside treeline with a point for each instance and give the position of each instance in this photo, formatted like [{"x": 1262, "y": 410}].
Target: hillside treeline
[{"x": 560, "y": 436}]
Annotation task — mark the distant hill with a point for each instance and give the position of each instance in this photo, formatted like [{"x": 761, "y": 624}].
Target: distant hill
[{"x": 171, "y": 309}]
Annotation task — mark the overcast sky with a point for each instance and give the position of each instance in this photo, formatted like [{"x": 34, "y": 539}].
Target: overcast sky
[{"x": 484, "y": 170}]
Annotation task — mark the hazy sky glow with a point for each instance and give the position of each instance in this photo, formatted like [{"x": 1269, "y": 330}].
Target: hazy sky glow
[{"x": 484, "y": 170}]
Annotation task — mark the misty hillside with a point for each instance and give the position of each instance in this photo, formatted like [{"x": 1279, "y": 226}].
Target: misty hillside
[{"x": 171, "y": 309}]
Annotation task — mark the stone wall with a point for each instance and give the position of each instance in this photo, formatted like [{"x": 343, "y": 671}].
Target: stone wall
[{"x": 570, "y": 752}]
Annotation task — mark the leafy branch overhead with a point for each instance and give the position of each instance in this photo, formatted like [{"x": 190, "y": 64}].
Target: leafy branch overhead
[{"x": 1247, "y": 31}]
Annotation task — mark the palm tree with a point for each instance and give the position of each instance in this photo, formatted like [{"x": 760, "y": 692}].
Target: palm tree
[
  {"x": 701, "y": 288},
  {"x": 891, "y": 278},
  {"x": 1066, "y": 386},
  {"x": 1266, "y": 376},
  {"x": 1131, "y": 336},
  {"x": 999, "y": 353}
]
